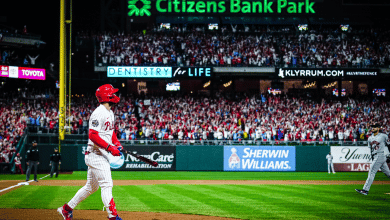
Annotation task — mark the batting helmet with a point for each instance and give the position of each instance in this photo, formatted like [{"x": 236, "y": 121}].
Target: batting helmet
[{"x": 105, "y": 93}]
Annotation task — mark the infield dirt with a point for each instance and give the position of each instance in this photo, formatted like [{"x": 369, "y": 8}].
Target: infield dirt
[{"x": 43, "y": 214}]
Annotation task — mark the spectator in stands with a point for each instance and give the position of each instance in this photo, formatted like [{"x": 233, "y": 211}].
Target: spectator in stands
[{"x": 33, "y": 59}]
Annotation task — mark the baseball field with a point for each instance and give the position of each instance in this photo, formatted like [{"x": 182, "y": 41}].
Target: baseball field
[{"x": 204, "y": 195}]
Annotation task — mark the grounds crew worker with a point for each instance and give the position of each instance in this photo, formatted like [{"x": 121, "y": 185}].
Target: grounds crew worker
[
  {"x": 55, "y": 161},
  {"x": 32, "y": 158}
]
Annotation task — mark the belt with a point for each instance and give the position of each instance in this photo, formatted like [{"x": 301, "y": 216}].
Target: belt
[{"x": 94, "y": 150}]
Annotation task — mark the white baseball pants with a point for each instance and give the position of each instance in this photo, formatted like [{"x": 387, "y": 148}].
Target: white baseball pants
[
  {"x": 330, "y": 168},
  {"x": 379, "y": 162},
  {"x": 99, "y": 174}
]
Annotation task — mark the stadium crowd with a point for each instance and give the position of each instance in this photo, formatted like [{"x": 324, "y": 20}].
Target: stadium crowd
[
  {"x": 256, "y": 118},
  {"x": 263, "y": 118},
  {"x": 264, "y": 46},
  {"x": 22, "y": 110},
  {"x": 225, "y": 117}
]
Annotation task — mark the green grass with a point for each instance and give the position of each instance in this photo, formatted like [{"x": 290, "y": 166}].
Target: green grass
[
  {"x": 236, "y": 201},
  {"x": 188, "y": 175}
]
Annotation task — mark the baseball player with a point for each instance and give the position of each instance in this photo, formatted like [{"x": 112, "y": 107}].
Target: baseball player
[
  {"x": 329, "y": 157},
  {"x": 55, "y": 161},
  {"x": 102, "y": 141},
  {"x": 18, "y": 164},
  {"x": 32, "y": 157},
  {"x": 377, "y": 144}
]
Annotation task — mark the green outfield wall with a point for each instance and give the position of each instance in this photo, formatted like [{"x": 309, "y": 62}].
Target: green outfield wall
[
  {"x": 311, "y": 158},
  {"x": 183, "y": 158},
  {"x": 199, "y": 158}
]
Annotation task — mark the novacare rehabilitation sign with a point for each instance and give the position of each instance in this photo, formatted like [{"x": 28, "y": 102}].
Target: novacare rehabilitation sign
[{"x": 259, "y": 158}]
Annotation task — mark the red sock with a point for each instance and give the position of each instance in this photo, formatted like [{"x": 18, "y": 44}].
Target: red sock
[
  {"x": 67, "y": 208},
  {"x": 113, "y": 207}
]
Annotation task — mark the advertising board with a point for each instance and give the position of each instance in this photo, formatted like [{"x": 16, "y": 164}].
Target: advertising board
[
  {"x": 164, "y": 155},
  {"x": 139, "y": 72},
  {"x": 324, "y": 73},
  {"x": 22, "y": 72},
  {"x": 196, "y": 7},
  {"x": 351, "y": 158},
  {"x": 259, "y": 158}
]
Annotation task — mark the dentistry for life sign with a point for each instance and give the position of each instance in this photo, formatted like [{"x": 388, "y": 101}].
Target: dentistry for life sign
[
  {"x": 22, "y": 72},
  {"x": 259, "y": 158}
]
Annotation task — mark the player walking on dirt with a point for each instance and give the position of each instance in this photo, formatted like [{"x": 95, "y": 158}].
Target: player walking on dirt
[
  {"x": 102, "y": 141},
  {"x": 377, "y": 144}
]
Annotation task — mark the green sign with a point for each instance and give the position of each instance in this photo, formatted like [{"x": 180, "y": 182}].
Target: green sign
[
  {"x": 216, "y": 7},
  {"x": 144, "y": 10}
]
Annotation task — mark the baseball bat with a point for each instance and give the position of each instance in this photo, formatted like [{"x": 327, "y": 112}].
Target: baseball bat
[{"x": 141, "y": 158}]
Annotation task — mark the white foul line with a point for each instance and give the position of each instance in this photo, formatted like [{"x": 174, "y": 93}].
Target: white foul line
[{"x": 20, "y": 184}]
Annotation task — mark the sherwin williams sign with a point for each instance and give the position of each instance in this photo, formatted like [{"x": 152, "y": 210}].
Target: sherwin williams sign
[
  {"x": 139, "y": 72},
  {"x": 191, "y": 7},
  {"x": 259, "y": 158}
]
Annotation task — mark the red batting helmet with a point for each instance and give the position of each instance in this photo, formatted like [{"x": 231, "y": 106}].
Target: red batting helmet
[{"x": 105, "y": 93}]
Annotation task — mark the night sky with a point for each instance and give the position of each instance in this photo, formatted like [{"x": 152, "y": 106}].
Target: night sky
[{"x": 43, "y": 19}]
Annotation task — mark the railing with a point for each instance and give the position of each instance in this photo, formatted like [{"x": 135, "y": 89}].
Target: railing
[{"x": 83, "y": 139}]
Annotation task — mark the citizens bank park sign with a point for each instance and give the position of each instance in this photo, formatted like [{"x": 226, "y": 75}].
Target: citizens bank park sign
[
  {"x": 191, "y": 7},
  {"x": 326, "y": 73},
  {"x": 349, "y": 158}
]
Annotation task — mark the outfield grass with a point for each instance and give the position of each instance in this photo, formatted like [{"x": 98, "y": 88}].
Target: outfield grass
[
  {"x": 188, "y": 175},
  {"x": 237, "y": 201}
]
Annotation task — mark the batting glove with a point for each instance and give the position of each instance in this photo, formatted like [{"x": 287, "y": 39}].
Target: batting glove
[
  {"x": 113, "y": 150},
  {"x": 120, "y": 147}
]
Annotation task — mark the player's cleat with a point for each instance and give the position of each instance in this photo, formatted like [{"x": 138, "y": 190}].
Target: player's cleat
[
  {"x": 362, "y": 191},
  {"x": 115, "y": 218},
  {"x": 66, "y": 212}
]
